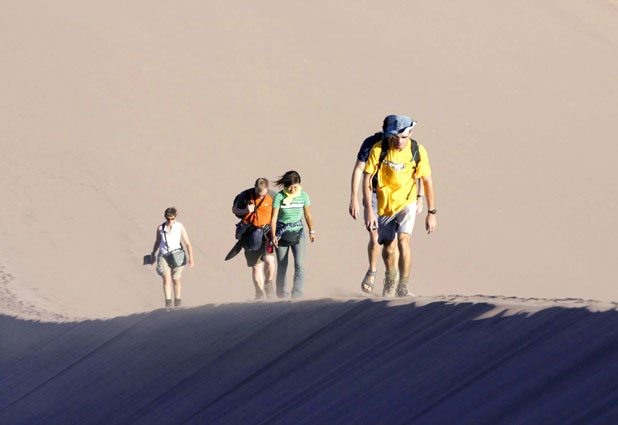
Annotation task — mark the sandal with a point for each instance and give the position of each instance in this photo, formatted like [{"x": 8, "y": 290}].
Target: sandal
[{"x": 366, "y": 286}]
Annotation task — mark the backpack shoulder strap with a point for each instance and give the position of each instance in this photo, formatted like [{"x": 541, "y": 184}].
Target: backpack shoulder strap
[
  {"x": 384, "y": 151},
  {"x": 164, "y": 238},
  {"x": 253, "y": 198},
  {"x": 415, "y": 152}
]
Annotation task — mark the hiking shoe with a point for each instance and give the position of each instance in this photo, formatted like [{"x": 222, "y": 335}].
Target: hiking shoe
[
  {"x": 389, "y": 288},
  {"x": 259, "y": 294},
  {"x": 168, "y": 302},
  {"x": 269, "y": 290},
  {"x": 177, "y": 302},
  {"x": 402, "y": 290}
]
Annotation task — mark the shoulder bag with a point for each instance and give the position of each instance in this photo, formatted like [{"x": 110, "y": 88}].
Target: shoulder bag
[{"x": 175, "y": 258}]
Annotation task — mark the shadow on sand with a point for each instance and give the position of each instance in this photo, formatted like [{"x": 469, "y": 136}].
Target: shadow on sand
[{"x": 314, "y": 362}]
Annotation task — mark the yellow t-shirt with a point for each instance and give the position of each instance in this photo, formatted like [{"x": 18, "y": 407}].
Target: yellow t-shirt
[{"x": 396, "y": 184}]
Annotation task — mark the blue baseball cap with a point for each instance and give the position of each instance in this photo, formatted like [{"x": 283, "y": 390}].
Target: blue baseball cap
[{"x": 395, "y": 124}]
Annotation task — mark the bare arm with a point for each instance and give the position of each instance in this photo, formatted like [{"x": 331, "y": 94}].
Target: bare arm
[
  {"x": 156, "y": 244},
  {"x": 430, "y": 221},
  {"x": 357, "y": 176},
  {"x": 309, "y": 221},
  {"x": 273, "y": 226},
  {"x": 419, "y": 197},
  {"x": 371, "y": 221},
  {"x": 185, "y": 239},
  {"x": 243, "y": 211}
]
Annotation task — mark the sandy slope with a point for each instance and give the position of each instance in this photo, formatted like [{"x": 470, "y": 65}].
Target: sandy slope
[
  {"x": 112, "y": 111},
  {"x": 323, "y": 361}
]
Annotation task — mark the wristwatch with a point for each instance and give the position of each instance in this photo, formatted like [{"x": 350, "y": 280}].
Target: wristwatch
[{"x": 432, "y": 211}]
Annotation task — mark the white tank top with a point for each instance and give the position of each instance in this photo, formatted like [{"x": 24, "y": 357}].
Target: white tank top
[{"x": 173, "y": 237}]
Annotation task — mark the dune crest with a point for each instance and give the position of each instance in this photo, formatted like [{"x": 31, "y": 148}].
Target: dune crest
[{"x": 322, "y": 361}]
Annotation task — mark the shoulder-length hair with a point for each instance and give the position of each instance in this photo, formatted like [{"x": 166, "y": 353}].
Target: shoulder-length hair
[{"x": 288, "y": 179}]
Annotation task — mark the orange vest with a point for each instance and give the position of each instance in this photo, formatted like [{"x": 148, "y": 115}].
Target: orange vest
[{"x": 264, "y": 212}]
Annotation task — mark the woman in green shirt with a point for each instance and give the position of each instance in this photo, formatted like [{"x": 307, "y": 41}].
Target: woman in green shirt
[{"x": 289, "y": 206}]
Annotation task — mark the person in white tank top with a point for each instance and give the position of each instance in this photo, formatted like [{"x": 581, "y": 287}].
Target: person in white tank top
[{"x": 169, "y": 237}]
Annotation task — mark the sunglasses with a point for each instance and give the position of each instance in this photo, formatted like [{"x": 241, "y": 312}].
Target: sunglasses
[{"x": 170, "y": 218}]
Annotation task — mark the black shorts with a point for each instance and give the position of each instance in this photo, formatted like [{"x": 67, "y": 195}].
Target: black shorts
[{"x": 256, "y": 257}]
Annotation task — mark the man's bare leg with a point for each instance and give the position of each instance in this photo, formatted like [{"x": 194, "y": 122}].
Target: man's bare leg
[
  {"x": 405, "y": 255},
  {"x": 405, "y": 264},
  {"x": 389, "y": 254},
  {"x": 257, "y": 273},
  {"x": 269, "y": 275},
  {"x": 373, "y": 254}
]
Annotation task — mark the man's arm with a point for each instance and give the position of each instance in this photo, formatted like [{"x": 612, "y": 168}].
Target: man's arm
[
  {"x": 419, "y": 197},
  {"x": 357, "y": 176},
  {"x": 372, "y": 221},
  {"x": 243, "y": 211},
  {"x": 430, "y": 221},
  {"x": 240, "y": 201}
]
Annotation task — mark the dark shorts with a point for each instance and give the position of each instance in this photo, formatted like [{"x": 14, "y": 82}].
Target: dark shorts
[{"x": 256, "y": 257}]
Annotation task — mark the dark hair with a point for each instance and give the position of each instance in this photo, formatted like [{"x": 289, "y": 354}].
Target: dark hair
[
  {"x": 288, "y": 179},
  {"x": 170, "y": 211},
  {"x": 261, "y": 184}
]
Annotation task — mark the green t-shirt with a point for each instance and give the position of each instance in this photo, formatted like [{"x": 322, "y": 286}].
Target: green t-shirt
[{"x": 293, "y": 212}]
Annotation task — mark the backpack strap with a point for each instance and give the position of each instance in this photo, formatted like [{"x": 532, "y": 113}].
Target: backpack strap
[
  {"x": 164, "y": 237},
  {"x": 254, "y": 213},
  {"x": 415, "y": 154},
  {"x": 415, "y": 160},
  {"x": 383, "y": 152}
]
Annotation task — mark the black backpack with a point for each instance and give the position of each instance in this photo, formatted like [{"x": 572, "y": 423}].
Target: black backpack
[{"x": 242, "y": 199}]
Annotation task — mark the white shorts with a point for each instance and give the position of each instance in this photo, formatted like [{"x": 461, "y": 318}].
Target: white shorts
[{"x": 402, "y": 222}]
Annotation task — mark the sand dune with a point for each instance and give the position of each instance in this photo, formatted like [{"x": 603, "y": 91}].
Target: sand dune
[
  {"x": 113, "y": 112},
  {"x": 323, "y": 361}
]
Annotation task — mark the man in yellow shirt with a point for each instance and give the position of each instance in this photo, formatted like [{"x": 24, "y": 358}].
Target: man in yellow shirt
[{"x": 397, "y": 172}]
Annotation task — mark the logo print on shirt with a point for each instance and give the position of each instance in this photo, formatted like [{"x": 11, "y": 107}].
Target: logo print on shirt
[{"x": 395, "y": 166}]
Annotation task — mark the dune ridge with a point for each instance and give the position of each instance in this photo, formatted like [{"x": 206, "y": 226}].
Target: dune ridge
[
  {"x": 516, "y": 107},
  {"x": 113, "y": 111},
  {"x": 323, "y": 361}
]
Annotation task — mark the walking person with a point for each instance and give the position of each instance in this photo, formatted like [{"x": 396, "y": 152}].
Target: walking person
[
  {"x": 373, "y": 248},
  {"x": 255, "y": 206},
  {"x": 398, "y": 161},
  {"x": 289, "y": 207},
  {"x": 168, "y": 243}
]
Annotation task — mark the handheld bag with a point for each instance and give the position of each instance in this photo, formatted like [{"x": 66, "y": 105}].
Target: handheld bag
[{"x": 175, "y": 258}]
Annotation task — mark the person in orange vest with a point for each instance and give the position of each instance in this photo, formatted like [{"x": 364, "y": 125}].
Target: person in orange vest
[{"x": 255, "y": 206}]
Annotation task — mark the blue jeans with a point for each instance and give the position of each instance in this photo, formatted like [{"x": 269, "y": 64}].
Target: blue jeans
[{"x": 299, "y": 268}]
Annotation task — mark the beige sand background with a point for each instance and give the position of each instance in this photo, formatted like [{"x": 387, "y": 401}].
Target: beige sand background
[{"x": 113, "y": 111}]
